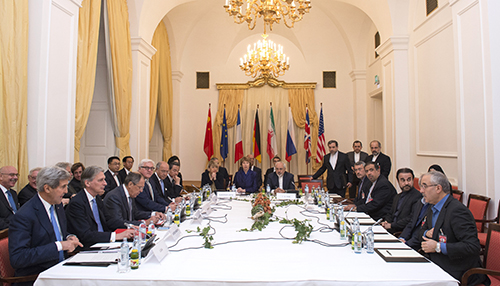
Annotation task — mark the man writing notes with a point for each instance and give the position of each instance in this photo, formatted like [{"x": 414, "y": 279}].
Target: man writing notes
[
  {"x": 339, "y": 170},
  {"x": 85, "y": 211},
  {"x": 37, "y": 234},
  {"x": 379, "y": 197},
  {"x": 380, "y": 158},
  {"x": 9, "y": 204},
  {"x": 119, "y": 204},
  {"x": 404, "y": 203},
  {"x": 450, "y": 232},
  {"x": 281, "y": 181}
]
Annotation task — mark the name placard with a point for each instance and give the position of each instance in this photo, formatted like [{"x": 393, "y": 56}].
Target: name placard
[
  {"x": 285, "y": 196},
  {"x": 173, "y": 233},
  {"x": 226, "y": 195},
  {"x": 157, "y": 253},
  {"x": 205, "y": 208},
  {"x": 197, "y": 218}
]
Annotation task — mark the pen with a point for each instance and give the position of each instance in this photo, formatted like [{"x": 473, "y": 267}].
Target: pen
[{"x": 389, "y": 252}]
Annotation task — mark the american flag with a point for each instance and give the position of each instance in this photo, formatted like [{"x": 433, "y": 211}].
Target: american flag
[
  {"x": 307, "y": 137},
  {"x": 320, "y": 151}
]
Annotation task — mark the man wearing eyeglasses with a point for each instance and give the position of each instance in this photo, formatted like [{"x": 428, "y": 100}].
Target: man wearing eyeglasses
[
  {"x": 9, "y": 202},
  {"x": 449, "y": 231},
  {"x": 112, "y": 178},
  {"x": 150, "y": 199}
]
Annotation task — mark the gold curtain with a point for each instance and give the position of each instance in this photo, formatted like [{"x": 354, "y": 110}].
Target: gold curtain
[
  {"x": 14, "y": 85},
  {"x": 298, "y": 99},
  {"x": 121, "y": 57},
  {"x": 88, "y": 38},
  {"x": 231, "y": 98},
  {"x": 161, "y": 85}
]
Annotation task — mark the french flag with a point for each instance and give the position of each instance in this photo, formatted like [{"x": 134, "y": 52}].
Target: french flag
[
  {"x": 290, "y": 137},
  {"x": 238, "y": 148}
]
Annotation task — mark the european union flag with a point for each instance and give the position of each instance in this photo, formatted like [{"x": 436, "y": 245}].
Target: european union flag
[{"x": 224, "y": 145}]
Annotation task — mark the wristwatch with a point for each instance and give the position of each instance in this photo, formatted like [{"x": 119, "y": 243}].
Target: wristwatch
[{"x": 438, "y": 247}]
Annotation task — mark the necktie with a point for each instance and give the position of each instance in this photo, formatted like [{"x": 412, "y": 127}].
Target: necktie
[
  {"x": 360, "y": 189},
  {"x": 130, "y": 208},
  {"x": 56, "y": 230},
  {"x": 97, "y": 219},
  {"x": 11, "y": 202},
  {"x": 162, "y": 187},
  {"x": 117, "y": 180},
  {"x": 150, "y": 190}
]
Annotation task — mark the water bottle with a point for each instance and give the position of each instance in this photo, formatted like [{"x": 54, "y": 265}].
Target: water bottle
[
  {"x": 307, "y": 190},
  {"x": 320, "y": 203},
  {"x": 151, "y": 229},
  {"x": 199, "y": 200},
  {"x": 268, "y": 189},
  {"x": 354, "y": 225},
  {"x": 233, "y": 188},
  {"x": 332, "y": 214},
  {"x": 177, "y": 219},
  {"x": 136, "y": 246},
  {"x": 142, "y": 232},
  {"x": 188, "y": 209},
  {"x": 208, "y": 191},
  {"x": 169, "y": 217},
  {"x": 370, "y": 240},
  {"x": 343, "y": 227},
  {"x": 327, "y": 211},
  {"x": 357, "y": 237},
  {"x": 123, "y": 265}
]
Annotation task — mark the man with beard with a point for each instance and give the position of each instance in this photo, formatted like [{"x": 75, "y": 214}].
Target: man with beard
[{"x": 380, "y": 158}]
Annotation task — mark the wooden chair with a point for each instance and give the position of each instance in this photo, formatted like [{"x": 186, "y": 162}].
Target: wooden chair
[
  {"x": 491, "y": 257},
  {"x": 304, "y": 178},
  {"x": 457, "y": 194},
  {"x": 483, "y": 235},
  {"x": 311, "y": 184},
  {"x": 478, "y": 206},
  {"x": 6, "y": 270}
]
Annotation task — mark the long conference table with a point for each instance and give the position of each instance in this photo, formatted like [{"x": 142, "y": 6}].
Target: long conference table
[{"x": 258, "y": 257}]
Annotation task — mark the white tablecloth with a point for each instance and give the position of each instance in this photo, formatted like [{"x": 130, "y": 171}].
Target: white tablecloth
[{"x": 272, "y": 262}]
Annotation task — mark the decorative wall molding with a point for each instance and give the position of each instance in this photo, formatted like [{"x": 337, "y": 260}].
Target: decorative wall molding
[
  {"x": 393, "y": 44},
  {"x": 140, "y": 45},
  {"x": 358, "y": 75},
  {"x": 260, "y": 82}
]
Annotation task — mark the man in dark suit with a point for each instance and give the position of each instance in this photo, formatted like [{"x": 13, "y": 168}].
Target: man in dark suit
[
  {"x": 173, "y": 182},
  {"x": 120, "y": 206},
  {"x": 112, "y": 179},
  {"x": 128, "y": 163},
  {"x": 152, "y": 198},
  {"x": 450, "y": 232},
  {"x": 364, "y": 183},
  {"x": 355, "y": 156},
  {"x": 380, "y": 158},
  {"x": 404, "y": 203},
  {"x": 411, "y": 233},
  {"x": 281, "y": 181},
  {"x": 271, "y": 170},
  {"x": 85, "y": 211},
  {"x": 30, "y": 189},
  {"x": 256, "y": 169},
  {"x": 339, "y": 170},
  {"x": 9, "y": 203},
  {"x": 37, "y": 234},
  {"x": 379, "y": 197}
]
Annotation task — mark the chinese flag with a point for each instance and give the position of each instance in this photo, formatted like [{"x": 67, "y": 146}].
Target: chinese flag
[{"x": 208, "y": 146}]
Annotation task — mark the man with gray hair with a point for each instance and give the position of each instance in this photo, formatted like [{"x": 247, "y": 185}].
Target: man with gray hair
[
  {"x": 30, "y": 189},
  {"x": 449, "y": 230},
  {"x": 8, "y": 201},
  {"x": 153, "y": 197},
  {"x": 281, "y": 181},
  {"x": 85, "y": 212},
  {"x": 37, "y": 233}
]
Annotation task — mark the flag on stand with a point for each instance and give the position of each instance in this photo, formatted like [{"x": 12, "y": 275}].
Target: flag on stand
[
  {"x": 224, "y": 145},
  {"x": 320, "y": 151},
  {"x": 208, "y": 146},
  {"x": 256, "y": 137},
  {"x": 238, "y": 148},
  {"x": 272, "y": 149},
  {"x": 307, "y": 137},
  {"x": 290, "y": 137}
]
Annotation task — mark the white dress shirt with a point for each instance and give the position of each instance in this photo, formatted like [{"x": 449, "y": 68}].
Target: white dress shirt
[{"x": 333, "y": 159}]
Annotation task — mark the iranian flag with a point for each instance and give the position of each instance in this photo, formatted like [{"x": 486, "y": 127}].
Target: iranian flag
[{"x": 272, "y": 149}]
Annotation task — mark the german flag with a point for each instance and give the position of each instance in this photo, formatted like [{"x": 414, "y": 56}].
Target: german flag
[{"x": 256, "y": 137}]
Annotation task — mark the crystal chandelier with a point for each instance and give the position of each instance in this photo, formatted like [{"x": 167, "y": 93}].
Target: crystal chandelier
[
  {"x": 265, "y": 60},
  {"x": 272, "y": 11}
]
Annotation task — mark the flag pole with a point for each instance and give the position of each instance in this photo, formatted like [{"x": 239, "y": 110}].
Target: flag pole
[
  {"x": 307, "y": 162},
  {"x": 270, "y": 159},
  {"x": 224, "y": 161}
]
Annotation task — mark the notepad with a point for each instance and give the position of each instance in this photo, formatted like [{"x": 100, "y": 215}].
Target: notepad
[
  {"x": 385, "y": 237},
  {"x": 95, "y": 257},
  {"x": 363, "y": 221},
  {"x": 400, "y": 255}
]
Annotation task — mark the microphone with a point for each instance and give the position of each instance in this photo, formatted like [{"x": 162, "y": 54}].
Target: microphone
[
  {"x": 195, "y": 187},
  {"x": 376, "y": 223},
  {"x": 343, "y": 201},
  {"x": 129, "y": 225}
]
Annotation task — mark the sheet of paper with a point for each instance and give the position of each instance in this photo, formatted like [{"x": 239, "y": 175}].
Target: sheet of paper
[
  {"x": 95, "y": 257},
  {"x": 400, "y": 253}
]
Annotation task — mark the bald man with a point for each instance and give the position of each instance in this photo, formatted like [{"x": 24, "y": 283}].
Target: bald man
[
  {"x": 9, "y": 202},
  {"x": 281, "y": 181}
]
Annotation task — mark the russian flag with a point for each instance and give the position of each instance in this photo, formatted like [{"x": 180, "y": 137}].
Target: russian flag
[
  {"x": 290, "y": 137},
  {"x": 238, "y": 148}
]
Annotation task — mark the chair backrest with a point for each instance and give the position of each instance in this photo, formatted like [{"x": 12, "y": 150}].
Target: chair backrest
[
  {"x": 303, "y": 178},
  {"x": 311, "y": 184},
  {"x": 457, "y": 194},
  {"x": 492, "y": 250},
  {"x": 478, "y": 206},
  {"x": 6, "y": 269},
  {"x": 415, "y": 184}
]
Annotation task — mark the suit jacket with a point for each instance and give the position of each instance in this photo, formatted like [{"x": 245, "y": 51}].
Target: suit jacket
[
  {"x": 111, "y": 183},
  {"x": 362, "y": 157},
  {"x": 122, "y": 174},
  {"x": 336, "y": 178},
  {"x": 456, "y": 222},
  {"x": 219, "y": 180},
  {"x": 268, "y": 172},
  {"x": 155, "y": 183},
  {"x": 74, "y": 187},
  {"x": 365, "y": 188},
  {"x": 116, "y": 209},
  {"x": 6, "y": 211},
  {"x": 144, "y": 201},
  {"x": 26, "y": 194},
  {"x": 382, "y": 196},
  {"x": 288, "y": 183},
  {"x": 225, "y": 176},
  {"x": 384, "y": 162},
  {"x": 247, "y": 181},
  {"x": 81, "y": 221},
  {"x": 258, "y": 173},
  {"x": 32, "y": 247},
  {"x": 405, "y": 211},
  {"x": 173, "y": 190},
  {"x": 411, "y": 233}
]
